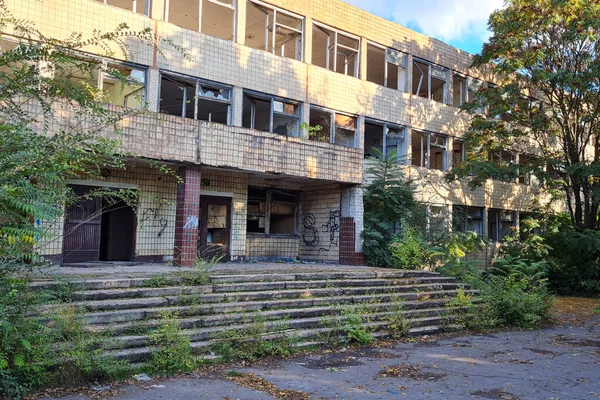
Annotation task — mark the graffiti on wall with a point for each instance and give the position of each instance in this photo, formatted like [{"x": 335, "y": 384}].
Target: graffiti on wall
[
  {"x": 191, "y": 223},
  {"x": 151, "y": 218},
  {"x": 311, "y": 237}
]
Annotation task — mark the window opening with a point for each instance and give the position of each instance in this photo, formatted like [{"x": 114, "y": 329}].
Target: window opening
[
  {"x": 212, "y": 17},
  {"x": 467, "y": 219},
  {"x": 335, "y": 50},
  {"x": 137, "y": 6},
  {"x": 386, "y": 67},
  {"x": 271, "y": 114},
  {"x": 271, "y": 211},
  {"x": 429, "y": 81},
  {"x": 274, "y": 30},
  {"x": 458, "y": 152},
  {"x": 383, "y": 137},
  {"x": 429, "y": 150},
  {"x": 500, "y": 223},
  {"x": 336, "y": 128},
  {"x": 194, "y": 98}
]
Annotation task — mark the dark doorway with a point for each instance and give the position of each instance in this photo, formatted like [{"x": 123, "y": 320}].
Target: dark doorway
[
  {"x": 117, "y": 232},
  {"x": 98, "y": 229},
  {"x": 214, "y": 227}
]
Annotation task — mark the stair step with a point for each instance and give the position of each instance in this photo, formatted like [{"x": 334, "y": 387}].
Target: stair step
[
  {"x": 201, "y": 298},
  {"x": 110, "y": 294},
  {"x": 311, "y": 276},
  {"x": 104, "y": 317}
]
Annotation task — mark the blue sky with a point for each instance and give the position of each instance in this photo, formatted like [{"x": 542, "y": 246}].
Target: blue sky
[{"x": 461, "y": 23}]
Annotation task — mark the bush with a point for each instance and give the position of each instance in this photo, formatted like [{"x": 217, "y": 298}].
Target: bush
[
  {"x": 174, "y": 352},
  {"x": 410, "y": 251},
  {"x": 514, "y": 294}
]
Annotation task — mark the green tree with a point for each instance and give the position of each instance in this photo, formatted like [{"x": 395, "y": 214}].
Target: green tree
[
  {"x": 39, "y": 153},
  {"x": 545, "y": 53},
  {"x": 388, "y": 202}
]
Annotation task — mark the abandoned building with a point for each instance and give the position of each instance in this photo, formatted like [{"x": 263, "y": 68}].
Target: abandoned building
[{"x": 235, "y": 118}]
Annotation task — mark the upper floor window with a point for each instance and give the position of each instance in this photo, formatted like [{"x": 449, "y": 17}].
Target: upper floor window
[
  {"x": 429, "y": 150},
  {"x": 335, "y": 50},
  {"x": 384, "y": 138},
  {"x": 274, "y": 30},
  {"x": 137, "y": 6},
  {"x": 212, "y": 17},
  {"x": 386, "y": 67},
  {"x": 458, "y": 152},
  {"x": 271, "y": 114},
  {"x": 195, "y": 98},
  {"x": 336, "y": 128},
  {"x": 430, "y": 81},
  {"x": 464, "y": 89},
  {"x": 120, "y": 84}
]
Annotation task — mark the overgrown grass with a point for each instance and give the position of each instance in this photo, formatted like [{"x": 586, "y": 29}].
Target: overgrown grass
[{"x": 174, "y": 349}]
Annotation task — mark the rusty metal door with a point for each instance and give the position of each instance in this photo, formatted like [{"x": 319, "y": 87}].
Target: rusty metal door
[{"x": 81, "y": 242}]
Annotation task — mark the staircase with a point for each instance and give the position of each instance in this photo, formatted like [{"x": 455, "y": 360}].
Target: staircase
[{"x": 126, "y": 310}]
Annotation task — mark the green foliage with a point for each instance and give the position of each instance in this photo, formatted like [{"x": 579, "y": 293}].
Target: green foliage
[
  {"x": 174, "y": 350},
  {"x": 388, "y": 203},
  {"x": 315, "y": 132},
  {"x": 528, "y": 242},
  {"x": 397, "y": 324},
  {"x": 255, "y": 342},
  {"x": 354, "y": 326},
  {"x": 410, "y": 251},
  {"x": 457, "y": 245},
  {"x": 50, "y": 349},
  {"x": 546, "y": 49},
  {"x": 200, "y": 273},
  {"x": 514, "y": 294}
]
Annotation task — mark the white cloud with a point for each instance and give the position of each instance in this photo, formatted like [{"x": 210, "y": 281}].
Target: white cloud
[{"x": 443, "y": 19}]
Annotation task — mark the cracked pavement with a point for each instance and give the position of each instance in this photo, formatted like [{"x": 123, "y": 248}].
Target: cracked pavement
[{"x": 560, "y": 362}]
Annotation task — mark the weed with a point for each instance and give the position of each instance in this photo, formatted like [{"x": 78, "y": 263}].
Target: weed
[
  {"x": 200, "y": 274},
  {"x": 174, "y": 350},
  {"x": 253, "y": 341},
  {"x": 157, "y": 281},
  {"x": 397, "y": 325},
  {"x": 597, "y": 309},
  {"x": 233, "y": 373}
]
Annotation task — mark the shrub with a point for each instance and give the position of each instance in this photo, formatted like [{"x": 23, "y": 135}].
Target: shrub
[
  {"x": 410, "y": 251},
  {"x": 174, "y": 350}
]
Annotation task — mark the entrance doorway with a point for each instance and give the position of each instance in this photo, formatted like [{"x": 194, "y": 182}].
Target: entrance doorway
[
  {"x": 214, "y": 227},
  {"x": 97, "y": 229}
]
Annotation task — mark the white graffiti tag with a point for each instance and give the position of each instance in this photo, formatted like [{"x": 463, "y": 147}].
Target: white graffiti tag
[{"x": 192, "y": 222}]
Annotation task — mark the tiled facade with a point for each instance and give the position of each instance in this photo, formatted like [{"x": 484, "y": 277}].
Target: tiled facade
[{"x": 231, "y": 161}]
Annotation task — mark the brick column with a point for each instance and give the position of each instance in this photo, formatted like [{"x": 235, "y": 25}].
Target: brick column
[
  {"x": 351, "y": 226},
  {"x": 186, "y": 217}
]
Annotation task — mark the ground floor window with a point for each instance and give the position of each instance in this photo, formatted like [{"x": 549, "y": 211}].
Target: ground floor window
[
  {"x": 467, "y": 219},
  {"x": 272, "y": 211},
  {"x": 500, "y": 223}
]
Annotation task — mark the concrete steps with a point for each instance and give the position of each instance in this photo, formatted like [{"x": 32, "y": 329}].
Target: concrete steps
[{"x": 303, "y": 305}]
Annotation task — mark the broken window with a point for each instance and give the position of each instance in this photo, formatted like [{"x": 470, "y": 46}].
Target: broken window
[
  {"x": 257, "y": 210},
  {"x": 437, "y": 221},
  {"x": 119, "y": 84},
  {"x": 384, "y": 138},
  {"x": 212, "y": 17},
  {"x": 458, "y": 152},
  {"x": 429, "y": 150},
  {"x": 336, "y": 128},
  {"x": 467, "y": 219},
  {"x": 429, "y": 81},
  {"x": 335, "y": 50},
  {"x": 527, "y": 165},
  {"x": 195, "y": 98},
  {"x": 386, "y": 67},
  {"x": 271, "y": 211},
  {"x": 137, "y": 6},
  {"x": 274, "y": 30},
  {"x": 271, "y": 114},
  {"x": 464, "y": 89},
  {"x": 500, "y": 223}
]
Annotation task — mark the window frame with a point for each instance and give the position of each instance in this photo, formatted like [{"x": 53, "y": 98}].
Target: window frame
[
  {"x": 272, "y": 112},
  {"x": 386, "y": 67},
  {"x": 324, "y": 28},
  {"x": 426, "y": 155},
  {"x": 332, "y": 124},
  {"x": 431, "y": 66},
  {"x": 147, "y": 6},
  {"x": 200, "y": 5},
  {"x": 268, "y": 206},
  {"x": 276, "y": 10},
  {"x": 198, "y": 83},
  {"x": 401, "y": 154}
]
